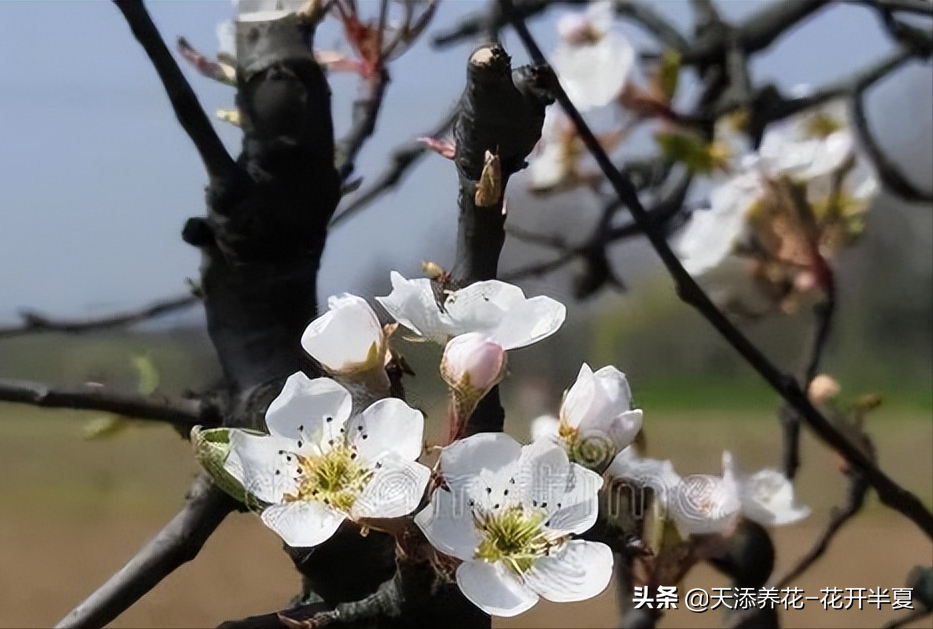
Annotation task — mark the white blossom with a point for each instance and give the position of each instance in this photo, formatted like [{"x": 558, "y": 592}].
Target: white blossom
[
  {"x": 348, "y": 338},
  {"x": 472, "y": 364},
  {"x": 704, "y": 504},
  {"x": 509, "y": 513},
  {"x": 767, "y": 496},
  {"x": 498, "y": 310},
  {"x": 597, "y": 420},
  {"x": 592, "y": 61},
  {"x": 318, "y": 466}
]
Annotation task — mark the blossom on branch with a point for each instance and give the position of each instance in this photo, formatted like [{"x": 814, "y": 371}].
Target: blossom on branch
[
  {"x": 592, "y": 61},
  {"x": 597, "y": 420},
  {"x": 509, "y": 513},
  {"x": 704, "y": 504},
  {"x": 318, "y": 466},
  {"x": 772, "y": 227},
  {"x": 497, "y": 310}
]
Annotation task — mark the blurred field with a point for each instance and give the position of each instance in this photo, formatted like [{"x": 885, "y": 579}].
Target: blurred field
[{"x": 74, "y": 511}]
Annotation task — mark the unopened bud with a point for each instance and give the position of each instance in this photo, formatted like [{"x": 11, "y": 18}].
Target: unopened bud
[{"x": 472, "y": 364}]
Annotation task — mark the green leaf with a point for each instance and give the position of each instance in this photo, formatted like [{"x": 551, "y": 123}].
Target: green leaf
[
  {"x": 211, "y": 447},
  {"x": 669, "y": 74},
  {"x": 148, "y": 373},
  {"x": 106, "y": 426},
  {"x": 691, "y": 150}
]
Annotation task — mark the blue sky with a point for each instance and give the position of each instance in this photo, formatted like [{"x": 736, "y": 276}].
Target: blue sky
[{"x": 97, "y": 177}]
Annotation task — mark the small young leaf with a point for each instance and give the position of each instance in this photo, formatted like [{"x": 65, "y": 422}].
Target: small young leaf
[
  {"x": 148, "y": 373},
  {"x": 105, "y": 426}
]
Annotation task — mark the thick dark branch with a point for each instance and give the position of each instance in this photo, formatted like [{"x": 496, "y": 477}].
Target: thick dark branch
[
  {"x": 890, "y": 493},
  {"x": 179, "y": 542},
  {"x": 401, "y": 160},
  {"x": 365, "y": 114},
  {"x": 187, "y": 108},
  {"x": 178, "y": 412},
  {"x": 498, "y": 124},
  {"x": 35, "y": 322}
]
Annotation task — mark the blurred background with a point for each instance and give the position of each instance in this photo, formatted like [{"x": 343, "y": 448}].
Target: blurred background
[{"x": 97, "y": 179}]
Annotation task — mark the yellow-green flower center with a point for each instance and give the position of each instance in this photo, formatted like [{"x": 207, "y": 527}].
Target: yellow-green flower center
[
  {"x": 822, "y": 125},
  {"x": 515, "y": 536},
  {"x": 336, "y": 478}
]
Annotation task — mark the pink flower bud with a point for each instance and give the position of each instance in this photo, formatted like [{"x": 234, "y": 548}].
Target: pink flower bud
[{"x": 472, "y": 364}]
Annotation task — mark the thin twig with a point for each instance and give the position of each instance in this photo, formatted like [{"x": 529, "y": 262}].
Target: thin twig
[
  {"x": 184, "y": 102},
  {"x": 401, "y": 160},
  {"x": 176, "y": 411},
  {"x": 177, "y": 543},
  {"x": 35, "y": 322},
  {"x": 365, "y": 113},
  {"x": 890, "y": 493},
  {"x": 855, "y": 498}
]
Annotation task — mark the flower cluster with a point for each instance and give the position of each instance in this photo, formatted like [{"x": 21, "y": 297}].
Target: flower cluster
[
  {"x": 784, "y": 211},
  {"x": 340, "y": 451}
]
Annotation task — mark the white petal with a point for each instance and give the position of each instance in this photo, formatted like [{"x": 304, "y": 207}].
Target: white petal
[
  {"x": 644, "y": 472},
  {"x": 704, "y": 504},
  {"x": 711, "y": 235},
  {"x": 616, "y": 387},
  {"x": 548, "y": 167},
  {"x": 529, "y": 321},
  {"x": 481, "y": 306},
  {"x": 576, "y": 571},
  {"x": 388, "y": 426},
  {"x": 593, "y": 74},
  {"x": 463, "y": 460},
  {"x": 448, "y": 524},
  {"x": 569, "y": 492},
  {"x": 302, "y": 409},
  {"x": 493, "y": 589},
  {"x": 257, "y": 463},
  {"x": 412, "y": 303},
  {"x": 302, "y": 524},
  {"x": 395, "y": 490},
  {"x": 346, "y": 337},
  {"x": 624, "y": 428},
  {"x": 579, "y": 398},
  {"x": 544, "y": 427},
  {"x": 768, "y": 499}
]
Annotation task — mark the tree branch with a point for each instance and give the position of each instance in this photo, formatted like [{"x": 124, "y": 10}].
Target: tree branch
[
  {"x": 187, "y": 108},
  {"x": 888, "y": 490},
  {"x": 855, "y": 498},
  {"x": 178, "y": 412},
  {"x": 888, "y": 172},
  {"x": 401, "y": 160},
  {"x": 179, "y": 542},
  {"x": 365, "y": 114},
  {"x": 34, "y": 322}
]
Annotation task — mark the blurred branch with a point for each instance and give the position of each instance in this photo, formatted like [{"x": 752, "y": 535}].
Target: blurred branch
[
  {"x": 855, "y": 498},
  {"x": 401, "y": 160},
  {"x": 176, "y": 411},
  {"x": 177, "y": 543},
  {"x": 184, "y": 102},
  {"x": 365, "y": 113},
  {"x": 34, "y": 322},
  {"x": 890, "y": 493},
  {"x": 917, "y": 7},
  {"x": 909, "y": 617},
  {"x": 888, "y": 172},
  {"x": 661, "y": 214},
  {"x": 489, "y": 21}
]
